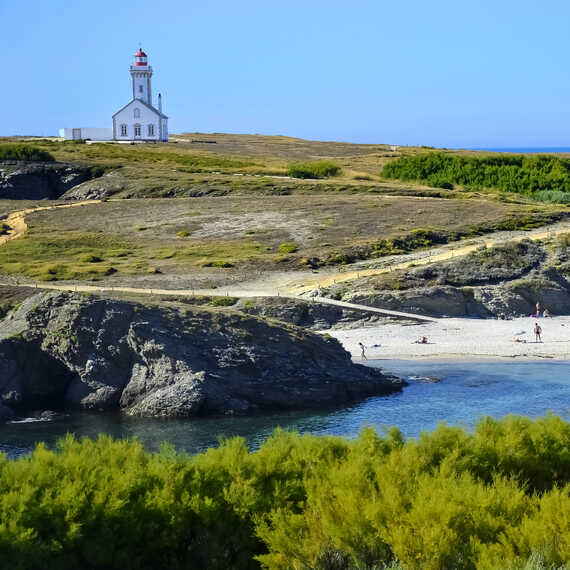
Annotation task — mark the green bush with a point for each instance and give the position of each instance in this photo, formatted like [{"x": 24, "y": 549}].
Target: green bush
[
  {"x": 544, "y": 178},
  {"x": 554, "y": 196},
  {"x": 89, "y": 258},
  {"x": 183, "y": 233},
  {"x": 497, "y": 498},
  {"x": 319, "y": 169},
  {"x": 24, "y": 152},
  {"x": 288, "y": 247},
  {"x": 4, "y": 228},
  {"x": 224, "y": 301},
  {"x": 218, "y": 263}
]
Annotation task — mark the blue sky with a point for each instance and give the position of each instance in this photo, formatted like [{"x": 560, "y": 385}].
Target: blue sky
[{"x": 443, "y": 73}]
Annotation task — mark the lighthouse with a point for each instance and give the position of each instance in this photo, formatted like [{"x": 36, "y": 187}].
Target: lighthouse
[{"x": 139, "y": 120}]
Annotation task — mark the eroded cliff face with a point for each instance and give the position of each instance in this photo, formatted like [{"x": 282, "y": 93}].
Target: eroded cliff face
[
  {"x": 68, "y": 351},
  {"x": 40, "y": 181}
]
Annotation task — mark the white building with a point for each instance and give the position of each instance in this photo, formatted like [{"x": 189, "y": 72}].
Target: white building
[
  {"x": 139, "y": 120},
  {"x": 94, "y": 134}
]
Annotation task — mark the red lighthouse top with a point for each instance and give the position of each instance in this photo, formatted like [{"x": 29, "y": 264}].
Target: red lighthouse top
[{"x": 140, "y": 58}]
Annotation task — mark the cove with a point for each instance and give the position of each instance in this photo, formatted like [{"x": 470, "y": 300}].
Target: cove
[{"x": 465, "y": 392}]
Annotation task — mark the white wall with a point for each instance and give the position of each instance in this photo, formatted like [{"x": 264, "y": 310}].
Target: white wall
[
  {"x": 146, "y": 117},
  {"x": 95, "y": 134}
]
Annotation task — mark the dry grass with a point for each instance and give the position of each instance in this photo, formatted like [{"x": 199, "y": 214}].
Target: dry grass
[{"x": 106, "y": 240}]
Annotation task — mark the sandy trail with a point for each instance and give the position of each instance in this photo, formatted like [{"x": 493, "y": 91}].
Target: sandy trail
[
  {"x": 425, "y": 257},
  {"x": 17, "y": 223},
  {"x": 462, "y": 338}
]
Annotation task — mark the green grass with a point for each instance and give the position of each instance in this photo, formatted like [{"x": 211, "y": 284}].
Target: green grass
[
  {"x": 24, "y": 152},
  {"x": 91, "y": 256}
]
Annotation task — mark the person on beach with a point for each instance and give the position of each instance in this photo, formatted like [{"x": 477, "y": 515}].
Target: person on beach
[
  {"x": 538, "y": 309},
  {"x": 537, "y": 332},
  {"x": 546, "y": 313},
  {"x": 362, "y": 348}
]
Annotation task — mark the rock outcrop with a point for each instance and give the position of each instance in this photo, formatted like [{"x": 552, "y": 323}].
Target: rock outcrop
[
  {"x": 505, "y": 280},
  {"x": 307, "y": 314},
  {"x": 61, "y": 350},
  {"x": 40, "y": 181}
]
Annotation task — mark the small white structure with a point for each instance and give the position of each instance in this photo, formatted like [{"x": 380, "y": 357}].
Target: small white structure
[
  {"x": 138, "y": 120},
  {"x": 79, "y": 133}
]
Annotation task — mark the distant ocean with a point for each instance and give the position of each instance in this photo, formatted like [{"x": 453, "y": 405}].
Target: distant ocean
[{"x": 533, "y": 149}]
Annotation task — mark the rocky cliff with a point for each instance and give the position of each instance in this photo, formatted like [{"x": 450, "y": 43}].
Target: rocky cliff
[
  {"x": 61, "y": 350},
  {"x": 41, "y": 181}
]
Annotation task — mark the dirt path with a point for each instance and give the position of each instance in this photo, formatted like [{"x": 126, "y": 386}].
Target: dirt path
[{"x": 17, "y": 223}]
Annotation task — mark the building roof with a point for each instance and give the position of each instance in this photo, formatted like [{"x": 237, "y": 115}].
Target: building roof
[
  {"x": 140, "y": 53},
  {"x": 162, "y": 115}
]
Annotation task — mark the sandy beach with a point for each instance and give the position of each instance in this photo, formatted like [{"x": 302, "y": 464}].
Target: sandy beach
[{"x": 462, "y": 338}]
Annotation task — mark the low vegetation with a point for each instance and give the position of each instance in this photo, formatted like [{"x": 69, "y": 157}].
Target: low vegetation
[
  {"x": 544, "y": 178},
  {"x": 319, "y": 169},
  {"x": 24, "y": 152},
  {"x": 495, "y": 498}
]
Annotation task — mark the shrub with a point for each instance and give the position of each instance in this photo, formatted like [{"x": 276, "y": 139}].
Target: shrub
[
  {"x": 544, "y": 178},
  {"x": 494, "y": 498},
  {"x": 218, "y": 263},
  {"x": 319, "y": 169},
  {"x": 4, "y": 228},
  {"x": 89, "y": 258},
  {"x": 224, "y": 301},
  {"x": 183, "y": 233},
  {"x": 288, "y": 247},
  {"x": 24, "y": 152}
]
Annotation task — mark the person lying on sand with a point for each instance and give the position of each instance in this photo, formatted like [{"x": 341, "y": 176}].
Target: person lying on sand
[{"x": 421, "y": 340}]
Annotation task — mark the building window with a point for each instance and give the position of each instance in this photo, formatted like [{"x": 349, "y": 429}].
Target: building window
[
  {"x": 123, "y": 130},
  {"x": 151, "y": 130},
  {"x": 137, "y": 130},
  {"x": 137, "y": 113},
  {"x": 140, "y": 88}
]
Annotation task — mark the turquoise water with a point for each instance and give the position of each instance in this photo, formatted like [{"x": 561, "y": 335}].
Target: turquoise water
[{"x": 466, "y": 391}]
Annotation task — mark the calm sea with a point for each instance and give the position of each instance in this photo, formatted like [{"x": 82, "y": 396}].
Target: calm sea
[
  {"x": 466, "y": 392},
  {"x": 520, "y": 150}
]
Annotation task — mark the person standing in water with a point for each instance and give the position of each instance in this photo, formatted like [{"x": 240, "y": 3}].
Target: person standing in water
[
  {"x": 362, "y": 348},
  {"x": 537, "y": 332}
]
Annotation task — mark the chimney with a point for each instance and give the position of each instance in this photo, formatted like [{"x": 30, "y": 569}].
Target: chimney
[{"x": 160, "y": 102}]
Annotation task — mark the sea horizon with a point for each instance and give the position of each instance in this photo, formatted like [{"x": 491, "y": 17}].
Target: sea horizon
[{"x": 523, "y": 149}]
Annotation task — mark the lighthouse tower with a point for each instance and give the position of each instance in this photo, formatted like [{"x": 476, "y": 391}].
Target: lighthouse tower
[
  {"x": 141, "y": 72},
  {"x": 139, "y": 120}
]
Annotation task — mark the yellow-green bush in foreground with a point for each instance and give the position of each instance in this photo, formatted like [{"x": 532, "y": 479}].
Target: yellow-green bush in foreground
[{"x": 497, "y": 498}]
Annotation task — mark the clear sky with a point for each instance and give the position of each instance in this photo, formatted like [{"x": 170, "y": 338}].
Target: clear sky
[{"x": 488, "y": 73}]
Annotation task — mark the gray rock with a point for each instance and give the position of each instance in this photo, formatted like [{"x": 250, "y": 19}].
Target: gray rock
[
  {"x": 39, "y": 181},
  {"x": 68, "y": 350}
]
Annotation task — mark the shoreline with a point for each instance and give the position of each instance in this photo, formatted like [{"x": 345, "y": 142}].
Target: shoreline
[{"x": 461, "y": 339}]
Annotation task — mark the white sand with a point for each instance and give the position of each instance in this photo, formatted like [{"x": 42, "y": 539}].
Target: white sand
[{"x": 461, "y": 338}]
